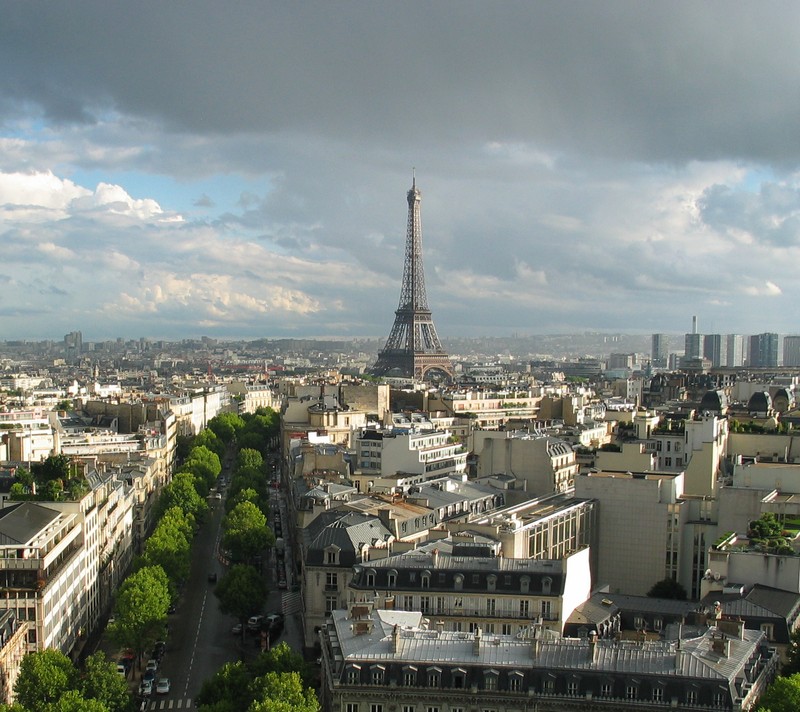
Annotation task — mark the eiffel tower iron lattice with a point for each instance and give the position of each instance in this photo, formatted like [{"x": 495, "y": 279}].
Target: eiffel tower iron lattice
[{"x": 413, "y": 348}]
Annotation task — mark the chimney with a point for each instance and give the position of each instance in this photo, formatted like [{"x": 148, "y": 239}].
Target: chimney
[
  {"x": 592, "y": 645},
  {"x": 435, "y": 557},
  {"x": 440, "y": 627},
  {"x": 476, "y": 642},
  {"x": 395, "y": 638}
]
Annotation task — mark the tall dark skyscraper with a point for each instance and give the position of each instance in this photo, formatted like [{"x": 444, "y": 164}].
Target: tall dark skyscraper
[
  {"x": 763, "y": 351},
  {"x": 413, "y": 348}
]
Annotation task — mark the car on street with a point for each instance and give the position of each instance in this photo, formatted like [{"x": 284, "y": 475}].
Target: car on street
[
  {"x": 146, "y": 688},
  {"x": 149, "y": 675},
  {"x": 162, "y": 686},
  {"x": 122, "y": 670},
  {"x": 237, "y": 629},
  {"x": 212, "y": 577},
  {"x": 152, "y": 664},
  {"x": 254, "y": 623}
]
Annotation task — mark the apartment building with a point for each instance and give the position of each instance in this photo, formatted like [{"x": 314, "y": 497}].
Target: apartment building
[
  {"x": 383, "y": 660},
  {"x": 641, "y": 519},
  {"x": 545, "y": 463},
  {"x": 387, "y": 460},
  {"x": 464, "y": 584}
]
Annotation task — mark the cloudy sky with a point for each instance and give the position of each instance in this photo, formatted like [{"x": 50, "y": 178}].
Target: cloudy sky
[{"x": 177, "y": 169}]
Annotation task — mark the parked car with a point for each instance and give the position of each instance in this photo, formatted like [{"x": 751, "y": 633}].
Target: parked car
[
  {"x": 275, "y": 622},
  {"x": 152, "y": 664},
  {"x": 162, "y": 686},
  {"x": 146, "y": 688},
  {"x": 237, "y": 629},
  {"x": 254, "y": 623},
  {"x": 122, "y": 670},
  {"x": 149, "y": 675}
]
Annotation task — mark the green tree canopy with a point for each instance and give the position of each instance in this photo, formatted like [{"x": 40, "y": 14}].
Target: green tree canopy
[
  {"x": 208, "y": 438},
  {"x": 245, "y": 533},
  {"x": 73, "y": 701},
  {"x": 226, "y": 426},
  {"x": 767, "y": 526},
  {"x": 182, "y": 492},
  {"x": 100, "y": 681},
  {"x": 241, "y": 592},
  {"x": 783, "y": 695},
  {"x": 228, "y": 690},
  {"x": 282, "y": 692},
  {"x": 44, "y": 677},
  {"x": 141, "y": 608},
  {"x": 668, "y": 588},
  {"x": 247, "y": 457},
  {"x": 281, "y": 658}
]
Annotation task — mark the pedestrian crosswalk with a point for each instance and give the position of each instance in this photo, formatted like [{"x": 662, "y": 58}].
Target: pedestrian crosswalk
[
  {"x": 184, "y": 703},
  {"x": 291, "y": 602}
]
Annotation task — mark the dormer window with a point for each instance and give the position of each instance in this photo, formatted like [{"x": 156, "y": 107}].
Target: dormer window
[
  {"x": 371, "y": 578},
  {"x": 491, "y": 582},
  {"x": 392, "y": 579},
  {"x": 525, "y": 584},
  {"x": 458, "y": 581},
  {"x": 426, "y": 579},
  {"x": 547, "y": 584},
  {"x": 490, "y": 680},
  {"x": 332, "y": 556}
]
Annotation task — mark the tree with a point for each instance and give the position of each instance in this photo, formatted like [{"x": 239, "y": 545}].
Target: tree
[
  {"x": 228, "y": 690},
  {"x": 226, "y": 426},
  {"x": 783, "y": 695},
  {"x": 100, "y": 681},
  {"x": 141, "y": 608},
  {"x": 247, "y": 457},
  {"x": 281, "y": 658},
  {"x": 245, "y": 533},
  {"x": 282, "y": 692},
  {"x": 208, "y": 438},
  {"x": 181, "y": 492},
  {"x": 792, "y": 665},
  {"x": 73, "y": 701},
  {"x": 668, "y": 588},
  {"x": 767, "y": 526},
  {"x": 43, "y": 678},
  {"x": 241, "y": 592},
  {"x": 169, "y": 545}
]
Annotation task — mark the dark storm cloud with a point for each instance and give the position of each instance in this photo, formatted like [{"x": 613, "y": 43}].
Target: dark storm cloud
[{"x": 654, "y": 81}]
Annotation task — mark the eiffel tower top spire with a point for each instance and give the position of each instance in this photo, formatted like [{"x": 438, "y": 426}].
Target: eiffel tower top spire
[{"x": 413, "y": 347}]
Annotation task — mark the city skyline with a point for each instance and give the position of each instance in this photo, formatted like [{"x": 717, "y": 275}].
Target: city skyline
[{"x": 171, "y": 172}]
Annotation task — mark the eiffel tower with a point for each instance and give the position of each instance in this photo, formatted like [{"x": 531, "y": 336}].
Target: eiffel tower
[{"x": 413, "y": 349}]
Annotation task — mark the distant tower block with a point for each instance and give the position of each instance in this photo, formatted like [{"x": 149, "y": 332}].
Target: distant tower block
[{"x": 413, "y": 349}]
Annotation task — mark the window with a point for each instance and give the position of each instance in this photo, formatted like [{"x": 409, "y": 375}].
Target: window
[
  {"x": 491, "y": 582},
  {"x": 691, "y": 697},
  {"x": 572, "y": 687},
  {"x": 409, "y": 677},
  {"x": 719, "y": 698},
  {"x": 667, "y": 462},
  {"x": 658, "y": 694},
  {"x": 425, "y": 604},
  {"x": 331, "y": 581},
  {"x": 515, "y": 682},
  {"x": 606, "y": 689},
  {"x": 353, "y": 677},
  {"x": 392, "y": 580},
  {"x": 549, "y": 685},
  {"x": 630, "y": 692},
  {"x": 408, "y": 708},
  {"x": 490, "y": 606},
  {"x": 524, "y": 609},
  {"x": 768, "y": 629},
  {"x": 458, "y": 581},
  {"x": 440, "y": 604},
  {"x": 377, "y": 675},
  {"x": 426, "y": 580},
  {"x": 331, "y": 603},
  {"x": 331, "y": 556},
  {"x": 506, "y": 629},
  {"x": 639, "y": 622},
  {"x": 375, "y": 708},
  {"x": 525, "y": 584},
  {"x": 408, "y": 603},
  {"x": 352, "y": 707},
  {"x": 547, "y": 584},
  {"x": 546, "y": 610},
  {"x": 433, "y": 709},
  {"x": 490, "y": 680},
  {"x": 371, "y": 578},
  {"x": 658, "y": 623},
  {"x": 434, "y": 677}
]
